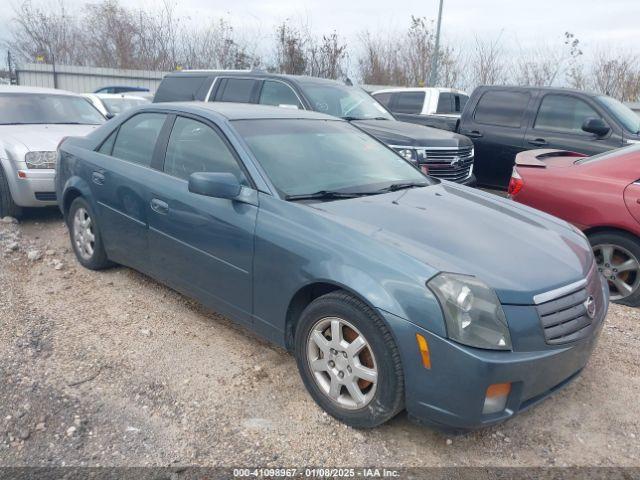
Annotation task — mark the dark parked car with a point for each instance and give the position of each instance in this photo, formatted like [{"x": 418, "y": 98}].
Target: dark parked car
[
  {"x": 323, "y": 240},
  {"x": 120, "y": 89},
  {"x": 446, "y": 155},
  {"x": 503, "y": 121},
  {"x": 601, "y": 196}
]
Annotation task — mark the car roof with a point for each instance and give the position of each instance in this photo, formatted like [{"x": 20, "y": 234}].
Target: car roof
[
  {"x": 301, "y": 79},
  {"x": 545, "y": 89},
  {"x": 239, "y": 111},
  {"x": 34, "y": 90},
  {"x": 419, "y": 89},
  {"x": 134, "y": 95}
]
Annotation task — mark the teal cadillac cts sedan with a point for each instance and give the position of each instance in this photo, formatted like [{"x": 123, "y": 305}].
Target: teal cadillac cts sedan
[{"x": 392, "y": 289}]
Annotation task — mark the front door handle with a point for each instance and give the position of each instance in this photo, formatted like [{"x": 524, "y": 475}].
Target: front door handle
[
  {"x": 538, "y": 142},
  {"x": 97, "y": 178},
  {"x": 159, "y": 206},
  {"x": 474, "y": 134}
]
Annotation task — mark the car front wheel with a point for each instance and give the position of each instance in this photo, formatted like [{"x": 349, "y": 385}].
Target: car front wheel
[
  {"x": 349, "y": 361},
  {"x": 618, "y": 259}
]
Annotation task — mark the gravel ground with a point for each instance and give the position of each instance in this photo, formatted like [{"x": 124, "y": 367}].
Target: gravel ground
[{"x": 111, "y": 368}]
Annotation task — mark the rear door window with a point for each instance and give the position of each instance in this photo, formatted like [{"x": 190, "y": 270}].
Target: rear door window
[
  {"x": 502, "y": 108},
  {"x": 563, "y": 113},
  {"x": 236, "y": 90},
  {"x": 459, "y": 102},
  {"x": 408, "y": 102},
  {"x": 278, "y": 94},
  {"x": 445, "y": 105},
  {"x": 179, "y": 89},
  {"x": 136, "y": 138}
]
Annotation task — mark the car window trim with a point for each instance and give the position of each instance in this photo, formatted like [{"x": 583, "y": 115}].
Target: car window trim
[
  {"x": 223, "y": 137},
  {"x": 564, "y": 132},
  {"x": 522, "y": 118}
]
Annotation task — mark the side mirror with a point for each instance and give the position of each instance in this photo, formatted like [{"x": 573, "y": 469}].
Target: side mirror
[
  {"x": 597, "y": 126},
  {"x": 218, "y": 185}
]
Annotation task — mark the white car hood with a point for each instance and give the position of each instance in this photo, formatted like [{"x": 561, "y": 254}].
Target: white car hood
[{"x": 16, "y": 138}]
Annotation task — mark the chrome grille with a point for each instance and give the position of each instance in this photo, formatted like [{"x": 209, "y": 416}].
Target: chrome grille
[
  {"x": 454, "y": 164},
  {"x": 565, "y": 318}
]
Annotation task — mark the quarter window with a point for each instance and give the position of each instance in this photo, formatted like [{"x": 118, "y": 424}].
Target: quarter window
[
  {"x": 502, "y": 108},
  {"x": 137, "y": 138},
  {"x": 195, "y": 147},
  {"x": 107, "y": 145},
  {"x": 563, "y": 113},
  {"x": 409, "y": 102},
  {"x": 278, "y": 94},
  {"x": 444, "y": 103},
  {"x": 383, "y": 98}
]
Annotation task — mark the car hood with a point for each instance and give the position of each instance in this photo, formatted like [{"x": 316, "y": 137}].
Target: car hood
[
  {"x": 516, "y": 250},
  {"x": 39, "y": 137},
  {"x": 409, "y": 134}
]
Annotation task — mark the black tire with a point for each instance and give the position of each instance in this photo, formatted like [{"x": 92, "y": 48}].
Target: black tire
[
  {"x": 387, "y": 400},
  {"x": 8, "y": 207},
  {"x": 98, "y": 259},
  {"x": 629, "y": 243}
]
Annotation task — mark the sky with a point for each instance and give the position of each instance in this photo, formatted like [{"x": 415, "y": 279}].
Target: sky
[{"x": 523, "y": 23}]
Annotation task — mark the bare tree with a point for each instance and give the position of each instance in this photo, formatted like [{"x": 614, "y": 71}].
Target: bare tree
[
  {"x": 290, "y": 49},
  {"x": 617, "y": 76},
  {"x": 327, "y": 57},
  {"x": 487, "y": 65}
]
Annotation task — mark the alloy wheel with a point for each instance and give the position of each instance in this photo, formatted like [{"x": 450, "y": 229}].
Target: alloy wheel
[
  {"x": 342, "y": 363},
  {"x": 83, "y": 234},
  {"x": 620, "y": 267}
]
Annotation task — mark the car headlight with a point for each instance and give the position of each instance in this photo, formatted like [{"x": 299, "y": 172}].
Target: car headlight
[
  {"x": 472, "y": 311},
  {"x": 407, "y": 154},
  {"x": 40, "y": 159}
]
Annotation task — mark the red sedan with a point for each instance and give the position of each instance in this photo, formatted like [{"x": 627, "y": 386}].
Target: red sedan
[{"x": 601, "y": 196}]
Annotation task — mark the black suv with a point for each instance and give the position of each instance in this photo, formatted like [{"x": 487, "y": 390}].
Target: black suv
[
  {"x": 503, "y": 121},
  {"x": 445, "y": 155}
]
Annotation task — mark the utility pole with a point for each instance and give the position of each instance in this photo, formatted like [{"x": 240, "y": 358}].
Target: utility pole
[{"x": 433, "y": 77}]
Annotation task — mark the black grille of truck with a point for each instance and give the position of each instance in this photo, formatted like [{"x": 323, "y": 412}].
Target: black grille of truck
[
  {"x": 565, "y": 319},
  {"x": 453, "y": 164}
]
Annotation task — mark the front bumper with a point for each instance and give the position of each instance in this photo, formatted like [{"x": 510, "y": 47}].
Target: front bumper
[
  {"x": 470, "y": 182},
  {"x": 451, "y": 393},
  {"x": 36, "y": 189}
]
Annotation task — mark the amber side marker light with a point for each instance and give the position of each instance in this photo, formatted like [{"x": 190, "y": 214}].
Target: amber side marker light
[
  {"x": 423, "y": 346},
  {"x": 496, "y": 398}
]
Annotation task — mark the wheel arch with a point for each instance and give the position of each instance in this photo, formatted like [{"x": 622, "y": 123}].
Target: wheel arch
[
  {"x": 75, "y": 187},
  {"x": 608, "y": 229}
]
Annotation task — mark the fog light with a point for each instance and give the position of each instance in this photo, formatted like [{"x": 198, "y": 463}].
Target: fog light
[
  {"x": 423, "y": 346},
  {"x": 496, "y": 398}
]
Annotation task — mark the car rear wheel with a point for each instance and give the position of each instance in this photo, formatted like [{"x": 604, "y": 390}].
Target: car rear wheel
[
  {"x": 85, "y": 236},
  {"x": 349, "y": 361},
  {"x": 8, "y": 207},
  {"x": 618, "y": 259}
]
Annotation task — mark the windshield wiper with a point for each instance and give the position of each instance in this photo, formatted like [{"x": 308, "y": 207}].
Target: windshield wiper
[
  {"x": 323, "y": 195},
  {"x": 350, "y": 119},
  {"x": 394, "y": 187}
]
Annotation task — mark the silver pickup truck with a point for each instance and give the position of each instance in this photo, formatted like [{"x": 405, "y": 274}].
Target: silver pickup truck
[{"x": 33, "y": 121}]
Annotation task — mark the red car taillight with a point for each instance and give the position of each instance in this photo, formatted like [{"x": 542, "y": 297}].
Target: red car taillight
[{"x": 515, "y": 184}]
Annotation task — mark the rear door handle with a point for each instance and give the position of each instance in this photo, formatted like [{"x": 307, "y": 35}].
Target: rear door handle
[
  {"x": 159, "y": 206},
  {"x": 474, "y": 134},
  {"x": 538, "y": 142},
  {"x": 97, "y": 178}
]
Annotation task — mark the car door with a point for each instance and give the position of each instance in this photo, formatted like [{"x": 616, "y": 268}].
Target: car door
[
  {"x": 497, "y": 128},
  {"x": 118, "y": 176},
  {"x": 558, "y": 124},
  {"x": 202, "y": 245}
]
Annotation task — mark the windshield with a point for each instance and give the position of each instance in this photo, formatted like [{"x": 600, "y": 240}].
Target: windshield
[
  {"x": 343, "y": 101},
  {"x": 119, "y": 105},
  {"x": 307, "y": 156},
  {"x": 629, "y": 120},
  {"x": 36, "y": 108}
]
